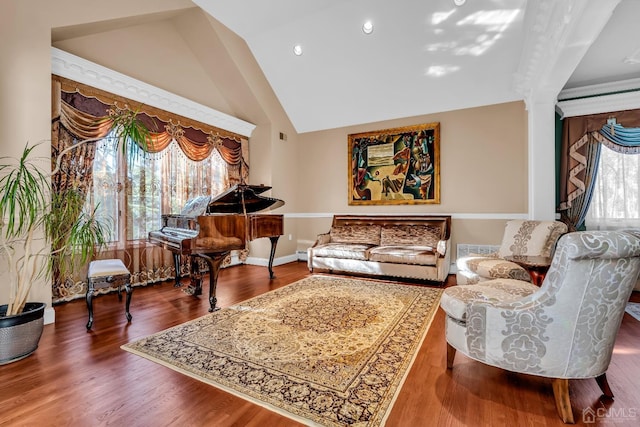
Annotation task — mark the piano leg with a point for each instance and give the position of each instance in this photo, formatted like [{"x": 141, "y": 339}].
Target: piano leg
[
  {"x": 195, "y": 285},
  {"x": 176, "y": 262},
  {"x": 214, "y": 261},
  {"x": 274, "y": 243}
]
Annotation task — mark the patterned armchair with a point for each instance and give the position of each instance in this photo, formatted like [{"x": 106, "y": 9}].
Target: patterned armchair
[
  {"x": 521, "y": 237},
  {"x": 565, "y": 329}
]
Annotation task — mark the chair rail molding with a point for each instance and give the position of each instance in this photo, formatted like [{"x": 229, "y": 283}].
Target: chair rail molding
[{"x": 73, "y": 67}]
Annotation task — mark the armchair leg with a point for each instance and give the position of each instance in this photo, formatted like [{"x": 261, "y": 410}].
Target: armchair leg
[
  {"x": 563, "y": 404},
  {"x": 604, "y": 385},
  {"x": 451, "y": 354}
]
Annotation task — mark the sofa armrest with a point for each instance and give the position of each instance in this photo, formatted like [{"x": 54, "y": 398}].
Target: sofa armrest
[
  {"x": 441, "y": 248},
  {"x": 323, "y": 239}
]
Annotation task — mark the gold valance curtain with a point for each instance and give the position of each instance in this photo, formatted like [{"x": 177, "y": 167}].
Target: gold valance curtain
[{"x": 84, "y": 112}]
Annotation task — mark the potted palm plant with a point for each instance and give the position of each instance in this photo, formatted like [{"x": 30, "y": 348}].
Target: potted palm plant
[{"x": 44, "y": 232}]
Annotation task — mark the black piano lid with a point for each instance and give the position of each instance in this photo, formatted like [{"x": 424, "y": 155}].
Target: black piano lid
[{"x": 243, "y": 198}]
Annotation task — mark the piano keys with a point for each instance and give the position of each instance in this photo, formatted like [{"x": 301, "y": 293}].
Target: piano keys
[{"x": 228, "y": 223}]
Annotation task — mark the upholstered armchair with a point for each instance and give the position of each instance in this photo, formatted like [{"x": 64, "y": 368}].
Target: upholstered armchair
[
  {"x": 521, "y": 237},
  {"x": 566, "y": 329}
]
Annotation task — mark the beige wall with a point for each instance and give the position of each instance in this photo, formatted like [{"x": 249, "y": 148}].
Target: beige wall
[
  {"x": 483, "y": 159},
  {"x": 25, "y": 109}
]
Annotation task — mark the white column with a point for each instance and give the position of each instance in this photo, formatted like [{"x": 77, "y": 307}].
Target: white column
[{"x": 542, "y": 171}]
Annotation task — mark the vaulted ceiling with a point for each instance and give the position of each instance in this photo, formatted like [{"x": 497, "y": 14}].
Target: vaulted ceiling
[
  {"x": 428, "y": 56},
  {"x": 423, "y": 56}
]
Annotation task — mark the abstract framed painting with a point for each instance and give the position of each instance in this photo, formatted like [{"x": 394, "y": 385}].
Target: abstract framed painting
[{"x": 399, "y": 166}]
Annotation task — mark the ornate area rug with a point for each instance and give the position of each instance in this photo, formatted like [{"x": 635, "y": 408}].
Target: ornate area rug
[
  {"x": 633, "y": 308},
  {"x": 324, "y": 350}
]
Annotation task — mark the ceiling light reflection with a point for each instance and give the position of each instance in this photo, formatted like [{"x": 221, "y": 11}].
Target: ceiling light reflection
[
  {"x": 297, "y": 50},
  {"x": 367, "y": 27}
]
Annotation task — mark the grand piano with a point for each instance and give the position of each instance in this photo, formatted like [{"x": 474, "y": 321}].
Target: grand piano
[{"x": 225, "y": 223}]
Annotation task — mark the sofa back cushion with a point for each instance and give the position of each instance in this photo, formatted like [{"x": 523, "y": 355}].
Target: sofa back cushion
[
  {"x": 362, "y": 234},
  {"x": 415, "y": 235}
]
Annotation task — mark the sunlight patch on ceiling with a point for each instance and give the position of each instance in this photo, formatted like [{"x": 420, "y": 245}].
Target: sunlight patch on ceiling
[
  {"x": 484, "y": 29},
  {"x": 441, "y": 70},
  {"x": 440, "y": 17},
  {"x": 495, "y": 22},
  {"x": 441, "y": 47}
]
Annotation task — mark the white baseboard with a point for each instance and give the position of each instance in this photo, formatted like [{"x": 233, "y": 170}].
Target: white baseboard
[
  {"x": 277, "y": 261},
  {"x": 49, "y": 315}
]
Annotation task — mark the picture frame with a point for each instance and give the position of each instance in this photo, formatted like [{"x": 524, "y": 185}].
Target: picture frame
[{"x": 399, "y": 166}]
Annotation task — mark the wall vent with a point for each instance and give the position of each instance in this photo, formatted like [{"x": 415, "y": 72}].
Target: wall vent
[{"x": 464, "y": 249}]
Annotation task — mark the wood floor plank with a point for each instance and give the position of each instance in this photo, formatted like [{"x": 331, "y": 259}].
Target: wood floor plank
[{"x": 79, "y": 378}]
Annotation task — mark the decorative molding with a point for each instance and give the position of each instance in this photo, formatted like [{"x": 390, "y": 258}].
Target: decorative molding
[
  {"x": 600, "y": 89},
  {"x": 78, "y": 69},
  {"x": 548, "y": 23},
  {"x": 598, "y": 104},
  {"x": 558, "y": 34}
]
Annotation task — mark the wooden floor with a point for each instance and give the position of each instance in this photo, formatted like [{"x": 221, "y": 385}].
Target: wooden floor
[{"x": 77, "y": 378}]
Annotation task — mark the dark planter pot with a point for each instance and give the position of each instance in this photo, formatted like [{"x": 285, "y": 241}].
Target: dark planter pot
[{"x": 20, "y": 333}]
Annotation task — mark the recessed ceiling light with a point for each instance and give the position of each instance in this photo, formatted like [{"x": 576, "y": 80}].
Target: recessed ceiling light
[
  {"x": 459, "y": 2},
  {"x": 297, "y": 50},
  {"x": 367, "y": 27}
]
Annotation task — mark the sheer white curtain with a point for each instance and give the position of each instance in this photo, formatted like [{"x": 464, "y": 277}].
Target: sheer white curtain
[
  {"x": 153, "y": 184},
  {"x": 616, "y": 196},
  {"x": 163, "y": 182}
]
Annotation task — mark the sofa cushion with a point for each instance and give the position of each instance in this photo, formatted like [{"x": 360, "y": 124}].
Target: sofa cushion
[
  {"x": 363, "y": 234},
  {"x": 342, "y": 250},
  {"x": 418, "y": 235},
  {"x": 478, "y": 268},
  {"x": 455, "y": 299},
  {"x": 403, "y": 254}
]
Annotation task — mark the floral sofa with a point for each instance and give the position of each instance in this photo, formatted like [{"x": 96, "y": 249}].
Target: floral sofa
[{"x": 414, "y": 247}]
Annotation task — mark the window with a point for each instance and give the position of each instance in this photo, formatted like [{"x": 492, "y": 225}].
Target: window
[
  {"x": 616, "y": 196},
  {"x": 132, "y": 194}
]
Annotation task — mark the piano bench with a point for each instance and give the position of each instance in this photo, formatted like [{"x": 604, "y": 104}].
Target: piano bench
[{"x": 107, "y": 273}]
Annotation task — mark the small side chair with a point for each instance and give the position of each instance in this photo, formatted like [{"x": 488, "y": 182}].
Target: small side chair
[{"x": 521, "y": 237}]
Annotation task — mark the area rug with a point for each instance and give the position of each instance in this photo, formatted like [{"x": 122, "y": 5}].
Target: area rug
[
  {"x": 324, "y": 350},
  {"x": 633, "y": 308}
]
